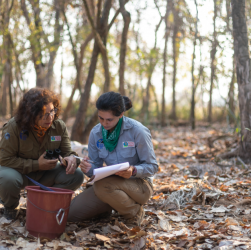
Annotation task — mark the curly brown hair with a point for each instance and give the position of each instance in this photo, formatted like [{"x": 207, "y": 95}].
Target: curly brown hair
[{"x": 33, "y": 105}]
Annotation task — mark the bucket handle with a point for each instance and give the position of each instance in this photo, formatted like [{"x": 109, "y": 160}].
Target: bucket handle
[
  {"x": 62, "y": 217},
  {"x": 58, "y": 212}
]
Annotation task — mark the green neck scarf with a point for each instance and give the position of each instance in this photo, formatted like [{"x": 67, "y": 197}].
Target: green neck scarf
[{"x": 111, "y": 139}]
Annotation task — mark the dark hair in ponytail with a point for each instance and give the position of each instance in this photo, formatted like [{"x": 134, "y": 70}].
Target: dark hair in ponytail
[{"x": 114, "y": 102}]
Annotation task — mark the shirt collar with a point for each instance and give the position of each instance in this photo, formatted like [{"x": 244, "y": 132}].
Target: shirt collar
[{"x": 125, "y": 126}]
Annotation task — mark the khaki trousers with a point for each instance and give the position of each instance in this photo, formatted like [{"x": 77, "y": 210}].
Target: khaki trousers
[
  {"x": 86, "y": 206},
  {"x": 11, "y": 182},
  {"x": 123, "y": 195}
]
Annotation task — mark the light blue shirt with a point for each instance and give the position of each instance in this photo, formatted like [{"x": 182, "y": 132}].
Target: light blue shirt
[{"x": 134, "y": 146}]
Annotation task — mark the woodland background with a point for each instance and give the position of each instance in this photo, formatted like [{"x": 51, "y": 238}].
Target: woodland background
[
  {"x": 173, "y": 58},
  {"x": 182, "y": 62}
]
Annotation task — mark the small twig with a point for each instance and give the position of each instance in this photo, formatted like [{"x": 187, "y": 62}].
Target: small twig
[{"x": 241, "y": 161}]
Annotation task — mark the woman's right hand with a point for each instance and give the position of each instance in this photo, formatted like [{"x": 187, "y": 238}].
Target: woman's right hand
[
  {"x": 84, "y": 165},
  {"x": 45, "y": 164}
]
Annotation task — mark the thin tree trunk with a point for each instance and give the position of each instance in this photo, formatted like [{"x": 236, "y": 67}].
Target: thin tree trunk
[
  {"x": 213, "y": 53},
  {"x": 55, "y": 45},
  {"x": 163, "y": 103},
  {"x": 94, "y": 118},
  {"x": 231, "y": 105},
  {"x": 152, "y": 63},
  {"x": 7, "y": 76},
  {"x": 147, "y": 99},
  {"x": 127, "y": 19},
  {"x": 78, "y": 77},
  {"x": 61, "y": 77},
  {"x": 156, "y": 101},
  {"x": 242, "y": 59},
  {"x": 192, "y": 117},
  {"x": 80, "y": 117},
  {"x": 173, "y": 113}
]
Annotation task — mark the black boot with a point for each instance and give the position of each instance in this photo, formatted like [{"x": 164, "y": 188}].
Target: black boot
[{"x": 10, "y": 214}]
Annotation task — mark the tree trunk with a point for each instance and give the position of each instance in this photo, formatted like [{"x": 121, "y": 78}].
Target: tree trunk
[
  {"x": 7, "y": 58},
  {"x": 44, "y": 71},
  {"x": 192, "y": 117},
  {"x": 146, "y": 99},
  {"x": 163, "y": 103},
  {"x": 127, "y": 19},
  {"x": 78, "y": 77},
  {"x": 153, "y": 60},
  {"x": 231, "y": 105},
  {"x": 78, "y": 126},
  {"x": 156, "y": 101},
  {"x": 79, "y": 123},
  {"x": 241, "y": 52},
  {"x": 94, "y": 118},
  {"x": 173, "y": 113},
  {"x": 213, "y": 66}
]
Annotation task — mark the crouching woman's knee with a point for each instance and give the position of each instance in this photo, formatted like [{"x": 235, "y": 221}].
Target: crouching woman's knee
[
  {"x": 102, "y": 188},
  {"x": 10, "y": 179}
]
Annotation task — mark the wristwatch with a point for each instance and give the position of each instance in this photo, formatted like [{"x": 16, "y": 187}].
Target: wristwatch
[{"x": 134, "y": 172}]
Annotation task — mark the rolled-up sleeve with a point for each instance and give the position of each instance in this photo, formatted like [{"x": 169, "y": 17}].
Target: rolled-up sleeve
[
  {"x": 148, "y": 165},
  {"x": 93, "y": 155}
]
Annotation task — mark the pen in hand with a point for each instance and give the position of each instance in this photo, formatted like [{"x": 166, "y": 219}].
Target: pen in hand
[{"x": 89, "y": 161}]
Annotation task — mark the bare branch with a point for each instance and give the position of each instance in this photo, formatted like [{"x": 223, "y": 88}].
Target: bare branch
[
  {"x": 72, "y": 43},
  {"x": 98, "y": 13},
  {"x": 25, "y": 12},
  {"x": 157, "y": 7},
  {"x": 99, "y": 40},
  {"x": 11, "y": 6},
  {"x": 38, "y": 22},
  {"x": 127, "y": 19},
  {"x": 115, "y": 16}
]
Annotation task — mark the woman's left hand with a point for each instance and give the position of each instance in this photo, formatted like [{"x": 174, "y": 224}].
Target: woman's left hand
[
  {"x": 126, "y": 173},
  {"x": 72, "y": 164}
]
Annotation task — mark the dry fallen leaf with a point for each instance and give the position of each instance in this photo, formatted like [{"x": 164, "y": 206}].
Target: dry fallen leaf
[
  {"x": 230, "y": 221},
  {"x": 102, "y": 237}
]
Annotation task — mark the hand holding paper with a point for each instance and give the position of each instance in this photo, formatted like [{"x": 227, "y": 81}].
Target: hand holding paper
[
  {"x": 125, "y": 173},
  {"x": 100, "y": 173}
]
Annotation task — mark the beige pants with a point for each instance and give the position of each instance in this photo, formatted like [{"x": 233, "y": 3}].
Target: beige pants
[{"x": 123, "y": 195}]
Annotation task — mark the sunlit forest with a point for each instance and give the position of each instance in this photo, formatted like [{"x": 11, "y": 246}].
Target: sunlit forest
[
  {"x": 173, "y": 58},
  {"x": 186, "y": 67}
]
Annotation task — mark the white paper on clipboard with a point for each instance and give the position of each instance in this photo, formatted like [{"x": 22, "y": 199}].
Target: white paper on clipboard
[{"x": 100, "y": 173}]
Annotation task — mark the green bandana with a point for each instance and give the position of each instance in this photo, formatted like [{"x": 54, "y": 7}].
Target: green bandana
[{"x": 111, "y": 139}]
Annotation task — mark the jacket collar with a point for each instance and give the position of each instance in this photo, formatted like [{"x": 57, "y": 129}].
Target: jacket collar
[{"x": 53, "y": 125}]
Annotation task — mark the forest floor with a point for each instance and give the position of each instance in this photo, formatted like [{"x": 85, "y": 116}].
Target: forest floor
[{"x": 200, "y": 202}]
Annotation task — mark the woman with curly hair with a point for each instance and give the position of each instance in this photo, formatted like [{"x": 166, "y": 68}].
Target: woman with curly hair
[{"x": 34, "y": 129}]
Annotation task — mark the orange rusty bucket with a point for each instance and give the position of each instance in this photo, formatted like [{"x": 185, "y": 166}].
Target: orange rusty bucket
[{"x": 47, "y": 211}]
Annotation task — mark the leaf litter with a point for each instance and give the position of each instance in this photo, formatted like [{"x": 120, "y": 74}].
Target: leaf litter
[{"x": 200, "y": 202}]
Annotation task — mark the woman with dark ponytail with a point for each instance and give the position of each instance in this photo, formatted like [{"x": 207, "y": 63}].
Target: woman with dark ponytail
[{"x": 117, "y": 139}]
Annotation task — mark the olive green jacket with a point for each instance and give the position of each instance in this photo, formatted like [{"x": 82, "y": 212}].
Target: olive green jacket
[{"x": 20, "y": 149}]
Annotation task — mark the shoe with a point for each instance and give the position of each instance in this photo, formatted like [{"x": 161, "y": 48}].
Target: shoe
[
  {"x": 137, "y": 220},
  {"x": 10, "y": 214}
]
